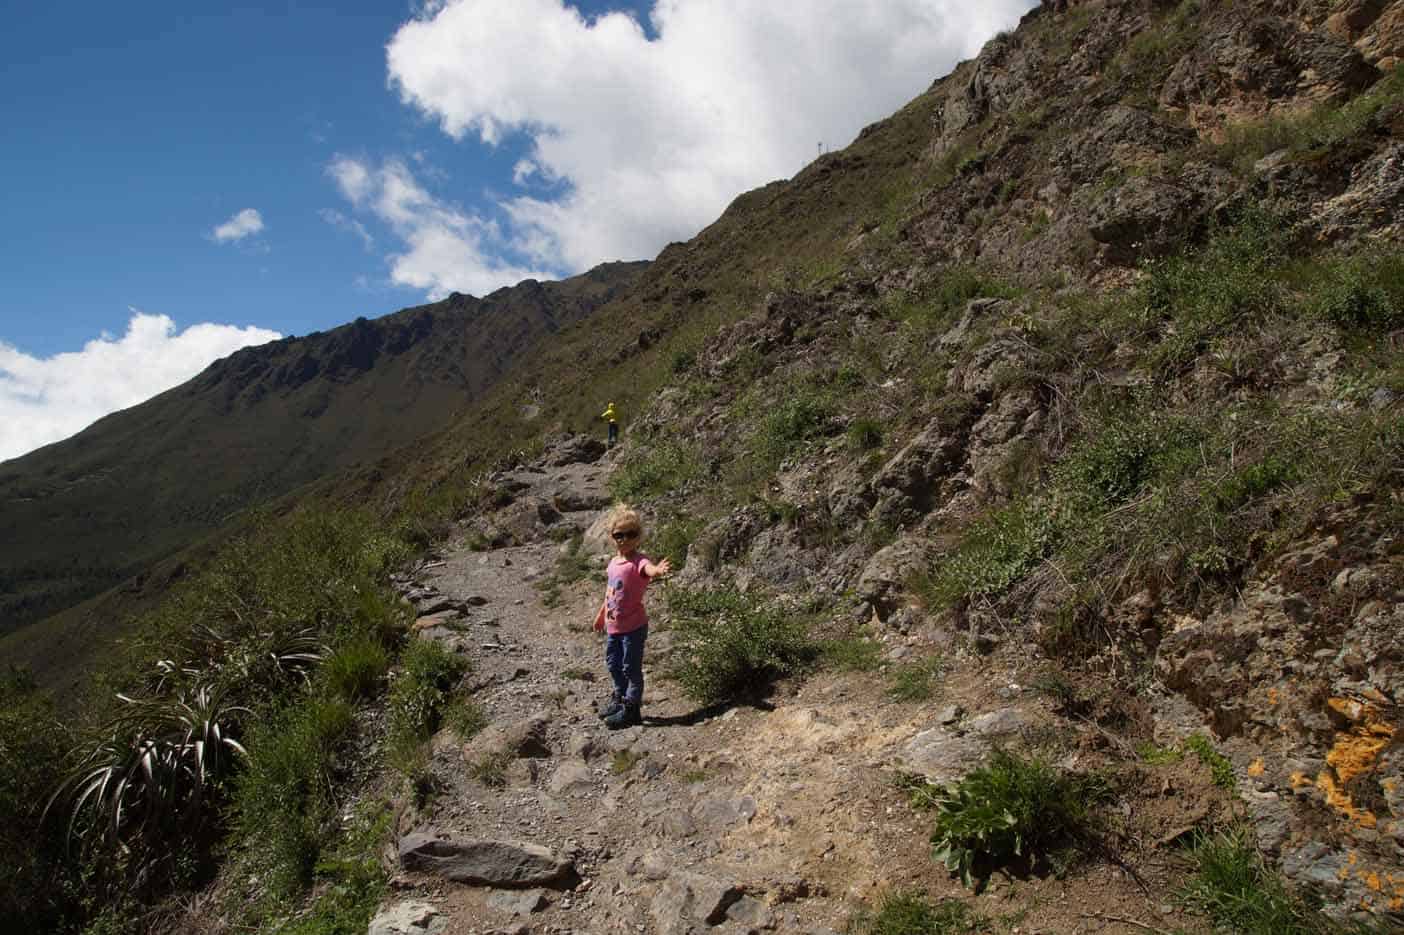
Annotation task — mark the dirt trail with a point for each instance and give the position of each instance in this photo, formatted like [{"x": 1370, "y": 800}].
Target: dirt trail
[{"x": 735, "y": 820}]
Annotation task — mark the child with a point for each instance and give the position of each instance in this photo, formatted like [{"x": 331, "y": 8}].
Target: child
[{"x": 622, "y": 615}]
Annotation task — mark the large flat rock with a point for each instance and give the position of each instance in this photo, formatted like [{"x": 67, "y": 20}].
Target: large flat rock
[{"x": 486, "y": 863}]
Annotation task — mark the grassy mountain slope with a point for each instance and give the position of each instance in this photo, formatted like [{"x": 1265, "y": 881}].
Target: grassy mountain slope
[{"x": 96, "y": 509}]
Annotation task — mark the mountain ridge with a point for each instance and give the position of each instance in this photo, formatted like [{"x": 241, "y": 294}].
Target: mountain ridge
[{"x": 88, "y": 512}]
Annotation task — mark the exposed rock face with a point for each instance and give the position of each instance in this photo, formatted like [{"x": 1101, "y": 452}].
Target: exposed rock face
[
  {"x": 1302, "y": 679},
  {"x": 1245, "y": 69}
]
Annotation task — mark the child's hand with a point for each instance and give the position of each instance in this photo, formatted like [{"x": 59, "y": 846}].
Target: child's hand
[
  {"x": 600, "y": 620},
  {"x": 662, "y": 568}
]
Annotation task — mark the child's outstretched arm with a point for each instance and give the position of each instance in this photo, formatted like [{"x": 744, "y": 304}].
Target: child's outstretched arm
[{"x": 658, "y": 570}]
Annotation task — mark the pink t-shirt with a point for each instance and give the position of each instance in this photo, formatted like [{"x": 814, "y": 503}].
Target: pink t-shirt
[{"x": 624, "y": 609}]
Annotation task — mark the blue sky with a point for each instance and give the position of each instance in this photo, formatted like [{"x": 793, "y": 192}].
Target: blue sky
[{"x": 380, "y": 155}]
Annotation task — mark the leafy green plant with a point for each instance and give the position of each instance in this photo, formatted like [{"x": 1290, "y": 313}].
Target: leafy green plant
[
  {"x": 997, "y": 551},
  {"x": 729, "y": 647},
  {"x": 1013, "y": 809},
  {"x": 673, "y": 539},
  {"x": 911, "y": 913},
  {"x": 148, "y": 781},
  {"x": 1158, "y": 756},
  {"x": 790, "y": 423}
]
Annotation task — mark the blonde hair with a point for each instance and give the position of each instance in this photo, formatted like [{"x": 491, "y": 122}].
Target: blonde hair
[{"x": 626, "y": 517}]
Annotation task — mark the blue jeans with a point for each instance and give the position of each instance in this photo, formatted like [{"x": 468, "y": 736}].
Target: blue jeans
[{"x": 624, "y": 658}]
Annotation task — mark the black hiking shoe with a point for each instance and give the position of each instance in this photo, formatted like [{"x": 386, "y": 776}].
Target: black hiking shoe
[
  {"x": 627, "y": 716},
  {"x": 612, "y": 707}
]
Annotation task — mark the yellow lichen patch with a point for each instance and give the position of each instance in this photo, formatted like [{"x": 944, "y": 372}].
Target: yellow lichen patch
[
  {"x": 1256, "y": 768},
  {"x": 1273, "y": 697},
  {"x": 1372, "y": 880},
  {"x": 1356, "y": 751},
  {"x": 1348, "y": 708},
  {"x": 1339, "y": 799},
  {"x": 1299, "y": 779}
]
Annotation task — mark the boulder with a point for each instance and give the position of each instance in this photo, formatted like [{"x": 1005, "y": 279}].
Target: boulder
[
  {"x": 485, "y": 862},
  {"x": 518, "y": 903},
  {"x": 408, "y": 918},
  {"x": 573, "y": 449},
  {"x": 525, "y": 739},
  {"x": 942, "y": 756},
  {"x": 687, "y": 898}
]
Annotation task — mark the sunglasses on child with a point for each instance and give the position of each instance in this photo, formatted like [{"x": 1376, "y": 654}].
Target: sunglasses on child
[{"x": 623, "y": 534}]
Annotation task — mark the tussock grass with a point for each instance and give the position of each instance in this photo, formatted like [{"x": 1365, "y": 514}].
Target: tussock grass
[
  {"x": 919, "y": 680},
  {"x": 911, "y": 913},
  {"x": 1239, "y": 893}
]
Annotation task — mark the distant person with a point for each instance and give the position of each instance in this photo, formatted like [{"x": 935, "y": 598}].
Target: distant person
[
  {"x": 623, "y": 619},
  {"x": 612, "y": 417}
]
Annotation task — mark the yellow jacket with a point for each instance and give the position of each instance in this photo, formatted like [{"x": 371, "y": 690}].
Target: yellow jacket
[{"x": 609, "y": 413}]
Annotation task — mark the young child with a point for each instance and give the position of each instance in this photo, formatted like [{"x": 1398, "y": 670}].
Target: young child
[{"x": 623, "y": 618}]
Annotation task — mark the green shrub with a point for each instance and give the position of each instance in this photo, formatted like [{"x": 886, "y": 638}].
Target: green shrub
[
  {"x": 350, "y": 882},
  {"x": 729, "y": 647},
  {"x": 354, "y": 671},
  {"x": 36, "y": 869},
  {"x": 1204, "y": 291},
  {"x": 910, "y": 913},
  {"x": 1013, "y": 809},
  {"x": 1120, "y": 456},
  {"x": 997, "y": 551}
]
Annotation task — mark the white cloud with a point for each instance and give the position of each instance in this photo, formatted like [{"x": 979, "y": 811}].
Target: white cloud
[
  {"x": 43, "y": 400},
  {"x": 350, "y": 225},
  {"x": 244, "y": 224},
  {"x": 447, "y": 249},
  {"x": 653, "y": 137}
]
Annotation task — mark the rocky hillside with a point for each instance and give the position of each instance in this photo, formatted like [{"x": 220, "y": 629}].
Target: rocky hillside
[
  {"x": 1089, "y": 359},
  {"x": 86, "y": 513}
]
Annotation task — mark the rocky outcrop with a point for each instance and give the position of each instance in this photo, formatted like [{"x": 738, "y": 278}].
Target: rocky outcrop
[{"x": 1302, "y": 679}]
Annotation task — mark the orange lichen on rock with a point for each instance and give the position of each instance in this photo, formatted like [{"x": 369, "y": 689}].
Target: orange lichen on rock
[
  {"x": 1354, "y": 753},
  {"x": 1256, "y": 768},
  {"x": 1273, "y": 697}
]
